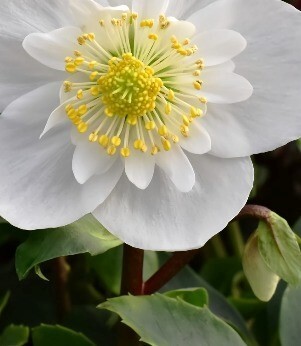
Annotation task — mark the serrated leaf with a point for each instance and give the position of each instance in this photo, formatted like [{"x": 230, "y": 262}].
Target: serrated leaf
[
  {"x": 47, "y": 335},
  {"x": 290, "y": 313},
  {"x": 279, "y": 248},
  {"x": 164, "y": 321},
  {"x": 195, "y": 296},
  {"x": 3, "y": 301},
  {"x": 14, "y": 336},
  {"x": 84, "y": 236}
]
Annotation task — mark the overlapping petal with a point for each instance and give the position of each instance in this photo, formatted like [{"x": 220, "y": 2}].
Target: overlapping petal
[
  {"x": 139, "y": 169},
  {"x": 219, "y": 46},
  {"x": 271, "y": 117},
  {"x": 38, "y": 188},
  {"x": 52, "y": 48},
  {"x": 163, "y": 218},
  {"x": 177, "y": 167},
  {"x": 150, "y": 9},
  {"x": 90, "y": 159}
]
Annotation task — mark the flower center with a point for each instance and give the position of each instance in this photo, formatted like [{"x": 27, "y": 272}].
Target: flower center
[
  {"x": 140, "y": 91},
  {"x": 129, "y": 88}
]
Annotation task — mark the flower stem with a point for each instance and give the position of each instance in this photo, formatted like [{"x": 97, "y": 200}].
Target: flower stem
[
  {"x": 218, "y": 246},
  {"x": 177, "y": 262},
  {"x": 132, "y": 271},
  {"x": 131, "y": 282},
  {"x": 237, "y": 240},
  {"x": 61, "y": 275},
  {"x": 256, "y": 211}
]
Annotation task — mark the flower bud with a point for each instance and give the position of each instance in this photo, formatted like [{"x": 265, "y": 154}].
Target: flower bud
[{"x": 261, "y": 278}]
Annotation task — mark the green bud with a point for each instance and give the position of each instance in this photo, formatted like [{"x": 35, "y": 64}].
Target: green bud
[{"x": 261, "y": 278}]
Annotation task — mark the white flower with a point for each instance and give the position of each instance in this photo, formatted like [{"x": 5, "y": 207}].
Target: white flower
[{"x": 146, "y": 80}]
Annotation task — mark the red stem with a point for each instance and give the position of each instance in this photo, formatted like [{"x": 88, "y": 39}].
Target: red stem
[
  {"x": 61, "y": 275},
  {"x": 132, "y": 271},
  {"x": 256, "y": 211},
  {"x": 177, "y": 262}
]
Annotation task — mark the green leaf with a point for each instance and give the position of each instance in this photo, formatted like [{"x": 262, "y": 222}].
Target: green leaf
[
  {"x": 290, "y": 314},
  {"x": 164, "y": 321},
  {"x": 85, "y": 235},
  {"x": 14, "y": 336},
  {"x": 3, "y": 301},
  {"x": 38, "y": 271},
  {"x": 46, "y": 335},
  {"x": 217, "y": 302},
  {"x": 195, "y": 296},
  {"x": 279, "y": 248}
]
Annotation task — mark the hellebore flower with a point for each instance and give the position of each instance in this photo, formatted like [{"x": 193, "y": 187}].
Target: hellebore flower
[{"x": 135, "y": 113}]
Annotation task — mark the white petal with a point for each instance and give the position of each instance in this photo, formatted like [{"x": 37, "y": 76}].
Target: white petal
[
  {"x": 177, "y": 167},
  {"x": 90, "y": 159},
  {"x": 218, "y": 15},
  {"x": 128, "y": 3},
  {"x": 31, "y": 109},
  {"x": 139, "y": 168},
  {"x": 57, "y": 117},
  {"x": 182, "y": 9},
  {"x": 150, "y": 9},
  {"x": 52, "y": 48},
  {"x": 225, "y": 87},
  {"x": 271, "y": 62},
  {"x": 19, "y": 72},
  {"x": 162, "y": 218},
  {"x": 20, "y": 18},
  {"x": 180, "y": 28},
  {"x": 38, "y": 189},
  {"x": 87, "y": 13},
  {"x": 227, "y": 66},
  {"x": 219, "y": 46},
  {"x": 198, "y": 141},
  {"x": 85, "y": 10}
]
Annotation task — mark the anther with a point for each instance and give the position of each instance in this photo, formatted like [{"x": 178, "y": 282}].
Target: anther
[
  {"x": 166, "y": 144},
  {"x": 80, "y": 94},
  {"x": 153, "y": 37},
  {"x": 116, "y": 141},
  {"x": 163, "y": 130},
  {"x": 104, "y": 140},
  {"x": 111, "y": 150},
  {"x": 184, "y": 130},
  {"x": 67, "y": 86},
  {"x": 82, "y": 110},
  {"x": 155, "y": 150},
  {"x": 185, "y": 119},
  {"x": 150, "y": 125},
  {"x": 168, "y": 108},
  {"x": 125, "y": 152},
  {"x": 171, "y": 95},
  {"x": 197, "y": 85},
  {"x": 93, "y": 137},
  {"x": 70, "y": 67},
  {"x": 138, "y": 144},
  {"x": 82, "y": 127}
]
